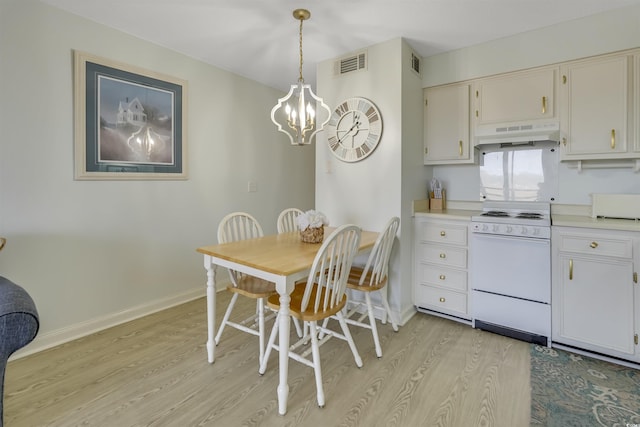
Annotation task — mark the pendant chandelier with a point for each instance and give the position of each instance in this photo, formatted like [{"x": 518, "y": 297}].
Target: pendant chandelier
[{"x": 295, "y": 114}]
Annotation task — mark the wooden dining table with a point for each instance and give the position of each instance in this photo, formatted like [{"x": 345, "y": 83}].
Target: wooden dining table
[{"x": 280, "y": 258}]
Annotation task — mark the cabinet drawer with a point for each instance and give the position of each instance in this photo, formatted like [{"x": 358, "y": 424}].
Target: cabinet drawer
[
  {"x": 593, "y": 244},
  {"x": 443, "y": 255},
  {"x": 443, "y": 233},
  {"x": 442, "y": 277},
  {"x": 442, "y": 300}
]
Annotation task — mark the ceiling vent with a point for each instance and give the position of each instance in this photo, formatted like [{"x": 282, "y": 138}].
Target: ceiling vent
[
  {"x": 415, "y": 63},
  {"x": 349, "y": 64}
]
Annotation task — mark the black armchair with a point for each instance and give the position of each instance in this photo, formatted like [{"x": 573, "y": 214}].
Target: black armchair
[{"x": 19, "y": 325}]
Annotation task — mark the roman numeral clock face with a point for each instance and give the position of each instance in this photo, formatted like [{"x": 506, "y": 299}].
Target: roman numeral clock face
[{"x": 354, "y": 129}]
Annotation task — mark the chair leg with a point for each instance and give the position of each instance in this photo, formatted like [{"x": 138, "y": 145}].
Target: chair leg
[
  {"x": 374, "y": 329},
  {"x": 347, "y": 334},
  {"x": 299, "y": 330},
  {"x": 261, "y": 332},
  {"x": 315, "y": 350},
  {"x": 325, "y": 322},
  {"x": 227, "y": 314},
  {"x": 267, "y": 352},
  {"x": 385, "y": 302}
]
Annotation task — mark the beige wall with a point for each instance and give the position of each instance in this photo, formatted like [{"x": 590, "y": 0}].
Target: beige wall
[
  {"x": 93, "y": 253},
  {"x": 382, "y": 185}
]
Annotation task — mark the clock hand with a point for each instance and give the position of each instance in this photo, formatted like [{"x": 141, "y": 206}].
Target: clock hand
[{"x": 348, "y": 132}]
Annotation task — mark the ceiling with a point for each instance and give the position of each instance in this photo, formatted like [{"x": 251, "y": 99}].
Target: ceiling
[{"x": 258, "y": 39}]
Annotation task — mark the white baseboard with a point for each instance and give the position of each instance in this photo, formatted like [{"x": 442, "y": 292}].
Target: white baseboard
[{"x": 78, "y": 330}]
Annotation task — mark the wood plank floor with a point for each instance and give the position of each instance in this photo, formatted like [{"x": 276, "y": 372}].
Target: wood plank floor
[{"x": 153, "y": 372}]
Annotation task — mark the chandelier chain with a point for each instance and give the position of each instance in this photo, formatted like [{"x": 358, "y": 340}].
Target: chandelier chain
[{"x": 301, "y": 79}]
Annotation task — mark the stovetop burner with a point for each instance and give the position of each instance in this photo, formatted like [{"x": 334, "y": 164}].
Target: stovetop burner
[
  {"x": 518, "y": 213},
  {"x": 529, "y": 215},
  {"x": 495, "y": 213}
]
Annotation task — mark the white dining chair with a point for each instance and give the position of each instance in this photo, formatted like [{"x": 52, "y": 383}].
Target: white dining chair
[
  {"x": 240, "y": 226},
  {"x": 373, "y": 277},
  {"x": 287, "y": 220},
  {"x": 321, "y": 296}
]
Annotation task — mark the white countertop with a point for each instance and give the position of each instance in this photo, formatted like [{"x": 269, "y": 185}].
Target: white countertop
[
  {"x": 589, "y": 222},
  {"x": 447, "y": 214},
  {"x": 563, "y": 220}
]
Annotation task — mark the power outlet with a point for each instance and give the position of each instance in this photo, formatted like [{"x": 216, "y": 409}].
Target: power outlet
[{"x": 252, "y": 187}]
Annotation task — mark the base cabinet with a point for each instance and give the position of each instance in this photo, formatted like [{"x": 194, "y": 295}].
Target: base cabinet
[
  {"x": 440, "y": 263},
  {"x": 595, "y": 301}
]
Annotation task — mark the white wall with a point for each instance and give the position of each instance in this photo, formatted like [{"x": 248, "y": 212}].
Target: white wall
[
  {"x": 371, "y": 191},
  {"x": 606, "y": 32},
  {"x": 92, "y": 253}
]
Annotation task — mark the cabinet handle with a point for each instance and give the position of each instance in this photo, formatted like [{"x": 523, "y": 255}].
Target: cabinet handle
[
  {"x": 460, "y": 147},
  {"x": 443, "y": 233},
  {"x": 570, "y": 269},
  {"x": 635, "y": 277},
  {"x": 564, "y": 141},
  {"x": 442, "y": 277},
  {"x": 443, "y": 256},
  {"x": 593, "y": 245},
  {"x": 544, "y": 104},
  {"x": 442, "y": 299},
  {"x": 476, "y": 113},
  {"x": 477, "y": 93},
  {"x": 613, "y": 139},
  {"x": 564, "y": 80}
]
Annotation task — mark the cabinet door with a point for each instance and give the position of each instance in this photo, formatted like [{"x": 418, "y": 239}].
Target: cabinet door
[
  {"x": 594, "y": 304},
  {"x": 595, "y": 100},
  {"x": 447, "y": 137},
  {"x": 516, "y": 97}
]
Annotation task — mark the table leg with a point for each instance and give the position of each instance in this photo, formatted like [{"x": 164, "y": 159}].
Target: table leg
[
  {"x": 283, "y": 341},
  {"x": 211, "y": 308}
]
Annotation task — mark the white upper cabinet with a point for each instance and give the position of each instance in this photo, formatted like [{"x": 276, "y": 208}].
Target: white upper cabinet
[
  {"x": 447, "y": 135},
  {"x": 524, "y": 96},
  {"x": 596, "y": 118}
]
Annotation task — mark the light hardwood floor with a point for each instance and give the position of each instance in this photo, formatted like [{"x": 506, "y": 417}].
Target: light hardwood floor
[{"x": 153, "y": 372}]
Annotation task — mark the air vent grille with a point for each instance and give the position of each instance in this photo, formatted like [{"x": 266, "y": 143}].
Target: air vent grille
[
  {"x": 351, "y": 63},
  {"x": 415, "y": 63}
]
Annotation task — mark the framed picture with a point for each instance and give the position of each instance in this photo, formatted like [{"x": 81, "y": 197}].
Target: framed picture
[{"x": 130, "y": 123}]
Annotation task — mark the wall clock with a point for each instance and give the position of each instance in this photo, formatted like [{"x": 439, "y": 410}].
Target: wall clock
[{"x": 354, "y": 129}]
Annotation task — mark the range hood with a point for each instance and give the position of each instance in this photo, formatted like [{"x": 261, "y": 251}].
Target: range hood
[{"x": 517, "y": 133}]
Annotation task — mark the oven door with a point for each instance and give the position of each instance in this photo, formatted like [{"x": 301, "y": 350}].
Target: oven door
[{"x": 519, "y": 267}]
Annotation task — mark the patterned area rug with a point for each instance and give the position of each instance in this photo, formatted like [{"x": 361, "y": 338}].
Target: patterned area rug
[{"x": 572, "y": 390}]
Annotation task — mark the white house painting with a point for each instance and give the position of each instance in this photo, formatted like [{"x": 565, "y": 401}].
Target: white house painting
[
  {"x": 131, "y": 112},
  {"x": 136, "y": 123}
]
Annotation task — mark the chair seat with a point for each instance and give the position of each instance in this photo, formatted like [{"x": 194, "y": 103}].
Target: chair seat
[
  {"x": 353, "y": 282},
  {"x": 296, "y": 301},
  {"x": 253, "y": 287}
]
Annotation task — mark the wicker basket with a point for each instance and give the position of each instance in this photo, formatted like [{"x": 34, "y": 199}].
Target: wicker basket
[{"x": 312, "y": 235}]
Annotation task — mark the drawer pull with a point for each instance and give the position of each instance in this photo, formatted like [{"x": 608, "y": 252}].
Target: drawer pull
[
  {"x": 442, "y": 233},
  {"x": 594, "y": 245},
  {"x": 544, "y": 104},
  {"x": 442, "y": 299},
  {"x": 443, "y": 256},
  {"x": 442, "y": 277}
]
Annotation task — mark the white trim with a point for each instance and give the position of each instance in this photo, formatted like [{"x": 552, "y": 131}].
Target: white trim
[{"x": 79, "y": 330}]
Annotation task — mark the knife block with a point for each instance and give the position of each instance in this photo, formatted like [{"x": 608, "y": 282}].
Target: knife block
[{"x": 437, "y": 204}]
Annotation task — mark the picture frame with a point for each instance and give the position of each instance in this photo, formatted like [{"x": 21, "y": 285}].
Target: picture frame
[{"x": 130, "y": 123}]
